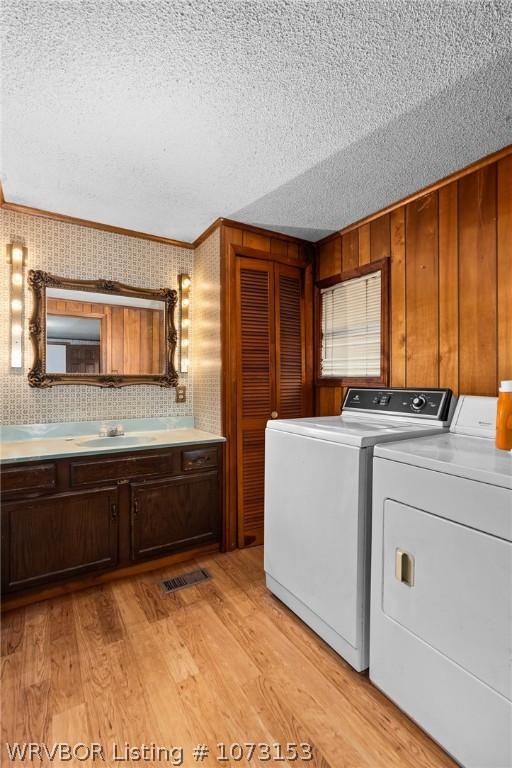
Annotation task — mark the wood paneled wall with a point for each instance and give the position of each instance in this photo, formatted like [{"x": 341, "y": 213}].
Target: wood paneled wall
[{"x": 451, "y": 283}]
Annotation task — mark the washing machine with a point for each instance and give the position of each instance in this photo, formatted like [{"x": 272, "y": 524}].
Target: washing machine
[
  {"x": 318, "y": 479},
  {"x": 441, "y": 584}
]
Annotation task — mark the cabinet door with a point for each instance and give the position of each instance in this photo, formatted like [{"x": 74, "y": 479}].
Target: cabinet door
[
  {"x": 83, "y": 358},
  {"x": 256, "y": 390},
  {"x": 58, "y": 537},
  {"x": 168, "y": 515}
]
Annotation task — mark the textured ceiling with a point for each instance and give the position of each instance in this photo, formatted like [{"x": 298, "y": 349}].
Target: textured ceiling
[{"x": 300, "y": 116}]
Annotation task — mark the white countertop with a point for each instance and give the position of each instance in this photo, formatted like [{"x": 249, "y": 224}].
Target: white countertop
[{"x": 57, "y": 446}]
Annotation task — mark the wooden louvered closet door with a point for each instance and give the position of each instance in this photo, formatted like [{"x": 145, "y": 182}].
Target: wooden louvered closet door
[
  {"x": 290, "y": 358},
  {"x": 270, "y": 374}
]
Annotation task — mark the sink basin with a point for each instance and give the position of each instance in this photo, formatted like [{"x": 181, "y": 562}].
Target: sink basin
[{"x": 117, "y": 441}]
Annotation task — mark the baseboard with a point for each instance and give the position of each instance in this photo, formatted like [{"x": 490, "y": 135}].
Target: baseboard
[{"x": 11, "y": 602}]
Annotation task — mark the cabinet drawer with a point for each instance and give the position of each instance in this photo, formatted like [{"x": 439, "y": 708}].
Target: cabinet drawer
[
  {"x": 122, "y": 468},
  {"x": 199, "y": 458},
  {"x": 29, "y": 479}
]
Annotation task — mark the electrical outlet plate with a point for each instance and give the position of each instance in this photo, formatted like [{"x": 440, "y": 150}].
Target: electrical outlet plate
[{"x": 181, "y": 393}]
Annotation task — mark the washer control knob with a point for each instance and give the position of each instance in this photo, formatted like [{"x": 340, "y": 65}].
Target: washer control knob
[{"x": 419, "y": 402}]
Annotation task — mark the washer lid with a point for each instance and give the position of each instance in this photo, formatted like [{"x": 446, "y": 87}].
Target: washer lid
[
  {"x": 351, "y": 431},
  {"x": 475, "y": 458}
]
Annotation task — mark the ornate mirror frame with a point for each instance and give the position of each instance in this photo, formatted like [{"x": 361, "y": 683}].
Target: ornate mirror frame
[{"x": 39, "y": 281}]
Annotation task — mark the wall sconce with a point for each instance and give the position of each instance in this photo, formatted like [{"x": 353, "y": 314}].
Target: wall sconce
[
  {"x": 17, "y": 254},
  {"x": 184, "y": 298}
]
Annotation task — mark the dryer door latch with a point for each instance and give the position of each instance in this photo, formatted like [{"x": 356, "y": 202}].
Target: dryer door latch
[{"x": 404, "y": 567}]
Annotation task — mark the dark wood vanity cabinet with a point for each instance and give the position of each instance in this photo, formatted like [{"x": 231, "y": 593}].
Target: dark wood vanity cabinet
[{"x": 70, "y": 517}]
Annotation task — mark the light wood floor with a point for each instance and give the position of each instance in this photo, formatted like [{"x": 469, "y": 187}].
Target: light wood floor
[{"x": 220, "y": 662}]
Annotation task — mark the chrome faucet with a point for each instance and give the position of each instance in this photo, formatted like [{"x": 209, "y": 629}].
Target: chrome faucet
[{"x": 108, "y": 431}]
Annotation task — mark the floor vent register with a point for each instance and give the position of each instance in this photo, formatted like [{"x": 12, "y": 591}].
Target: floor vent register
[{"x": 184, "y": 580}]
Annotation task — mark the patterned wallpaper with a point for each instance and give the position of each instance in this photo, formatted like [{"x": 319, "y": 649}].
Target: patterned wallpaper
[
  {"x": 205, "y": 326},
  {"x": 74, "y": 251}
]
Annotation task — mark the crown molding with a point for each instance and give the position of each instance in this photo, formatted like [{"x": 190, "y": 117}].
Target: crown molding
[
  {"x": 266, "y": 232},
  {"x": 29, "y": 211},
  {"x": 481, "y": 163},
  {"x": 207, "y": 232}
]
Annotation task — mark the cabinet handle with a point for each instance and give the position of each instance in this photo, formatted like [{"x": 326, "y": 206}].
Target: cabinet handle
[
  {"x": 135, "y": 507},
  {"x": 113, "y": 509},
  {"x": 404, "y": 567},
  {"x": 274, "y": 414}
]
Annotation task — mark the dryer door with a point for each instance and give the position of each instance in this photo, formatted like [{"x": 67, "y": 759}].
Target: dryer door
[
  {"x": 440, "y": 645},
  {"x": 461, "y": 599}
]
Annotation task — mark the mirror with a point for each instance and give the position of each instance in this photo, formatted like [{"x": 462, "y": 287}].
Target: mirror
[
  {"x": 89, "y": 332},
  {"x": 101, "y": 332}
]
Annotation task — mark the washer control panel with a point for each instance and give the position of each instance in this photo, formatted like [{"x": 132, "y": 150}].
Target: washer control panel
[{"x": 423, "y": 403}]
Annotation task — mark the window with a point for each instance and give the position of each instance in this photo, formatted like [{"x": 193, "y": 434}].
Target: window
[{"x": 353, "y": 327}]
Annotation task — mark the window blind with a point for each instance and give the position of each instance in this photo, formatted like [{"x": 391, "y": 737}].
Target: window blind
[{"x": 351, "y": 327}]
